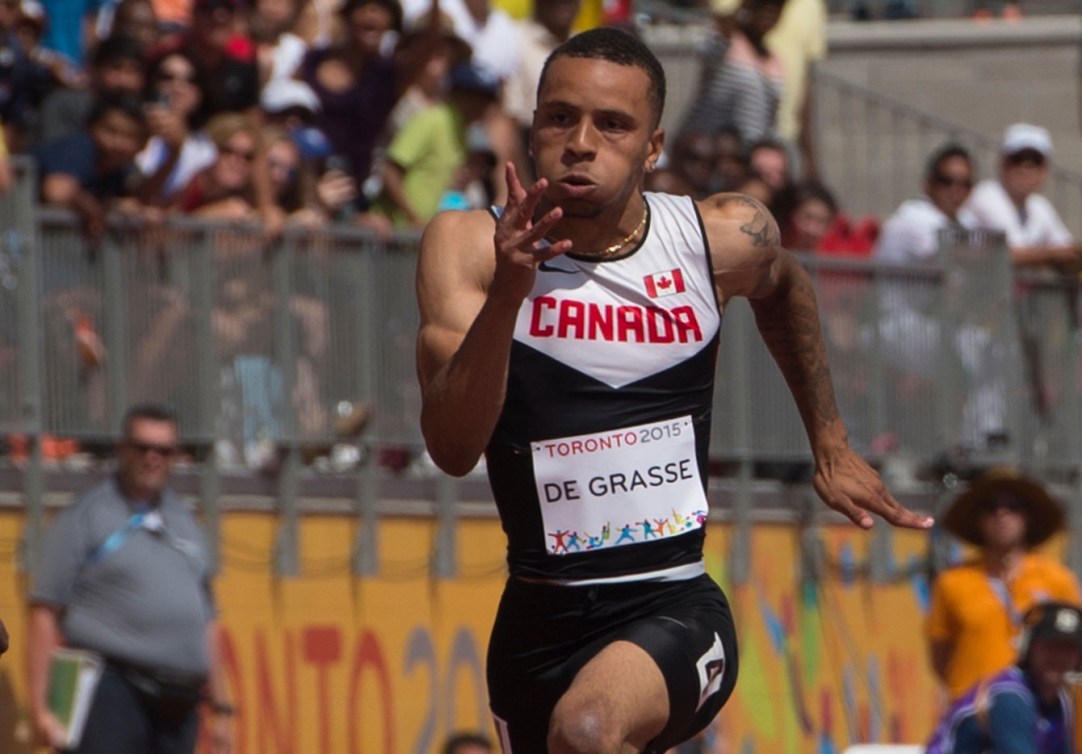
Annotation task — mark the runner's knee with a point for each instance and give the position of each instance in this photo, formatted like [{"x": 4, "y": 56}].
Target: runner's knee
[{"x": 583, "y": 728}]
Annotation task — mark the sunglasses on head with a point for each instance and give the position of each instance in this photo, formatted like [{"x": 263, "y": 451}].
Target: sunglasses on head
[{"x": 947, "y": 181}]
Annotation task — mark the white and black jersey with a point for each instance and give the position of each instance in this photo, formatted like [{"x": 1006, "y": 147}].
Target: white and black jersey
[{"x": 598, "y": 463}]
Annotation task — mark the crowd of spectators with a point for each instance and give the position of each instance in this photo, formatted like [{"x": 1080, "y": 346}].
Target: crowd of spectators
[
  {"x": 366, "y": 111},
  {"x": 372, "y": 112}
]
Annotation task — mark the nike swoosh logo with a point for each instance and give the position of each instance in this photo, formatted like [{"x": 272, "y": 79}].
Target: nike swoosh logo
[{"x": 544, "y": 267}]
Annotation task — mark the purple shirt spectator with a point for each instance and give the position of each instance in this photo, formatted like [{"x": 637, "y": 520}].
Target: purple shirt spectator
[{"x": 354, "y": 117}]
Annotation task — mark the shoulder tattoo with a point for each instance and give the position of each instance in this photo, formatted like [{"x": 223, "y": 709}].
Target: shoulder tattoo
[{"x": 758, "y": 224}]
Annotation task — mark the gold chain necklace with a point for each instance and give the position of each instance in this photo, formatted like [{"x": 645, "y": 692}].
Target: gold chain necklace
[{"x": 609, "y": 251}]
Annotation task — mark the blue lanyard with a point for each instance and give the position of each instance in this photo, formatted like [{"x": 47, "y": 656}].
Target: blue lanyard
[
  {"x": 118, "y": 537},
  {"x": 999, "y": 587}
]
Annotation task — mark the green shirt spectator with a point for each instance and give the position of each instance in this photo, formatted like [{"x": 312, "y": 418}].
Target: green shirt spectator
[{"x": 424, "y": 156}]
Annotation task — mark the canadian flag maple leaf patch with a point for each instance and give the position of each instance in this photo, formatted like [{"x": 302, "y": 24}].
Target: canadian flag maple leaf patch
[{"x": 665, "y": 283}]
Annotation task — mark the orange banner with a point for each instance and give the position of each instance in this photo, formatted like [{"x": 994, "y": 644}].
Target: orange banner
[{"x": 329, "y": 662}]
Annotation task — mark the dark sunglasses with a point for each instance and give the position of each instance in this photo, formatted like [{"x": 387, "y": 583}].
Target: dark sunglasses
[
  {"x": 143, "y": 448},
  {"x": 172, "y": 76},
  {"x": 247, "y": 156},
  {"x": 1026, "y": 157},
  {"x": 1010, "y": 504},
  {"x": 947, "y": 181}
]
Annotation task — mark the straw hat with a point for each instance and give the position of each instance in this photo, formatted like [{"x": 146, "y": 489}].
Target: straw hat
[{"x": 1044, "y": 516}]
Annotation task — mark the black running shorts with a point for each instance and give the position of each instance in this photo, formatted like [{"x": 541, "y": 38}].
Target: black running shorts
[{"x": 544, "y": 634}]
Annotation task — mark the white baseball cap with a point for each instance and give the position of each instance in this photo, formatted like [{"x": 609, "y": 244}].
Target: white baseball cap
[
  {"x": 282, "y": 94},
  {"x": 1022, "y": 136}
]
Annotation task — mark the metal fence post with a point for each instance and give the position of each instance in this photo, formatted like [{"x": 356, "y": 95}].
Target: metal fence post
[
  {"x": 1074, "y": 412},
  {"x": 445, "y": 556},
  {"x": 362, "y": 267},
  {"x": 115, "y": 325},
  {"x": 365, "y": 560},
  {"x": 206, "y": 432},
  {"x": 287, "y": 560},
  {"x": 880, "y": 380},
  {"x": 880, "y": 554},
  {"x": 739, "y": 315},
  {"x": 27, "y": 254}
]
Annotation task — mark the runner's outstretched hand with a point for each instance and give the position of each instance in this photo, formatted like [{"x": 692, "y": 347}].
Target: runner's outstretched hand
[{"x": 850, "y": 486}]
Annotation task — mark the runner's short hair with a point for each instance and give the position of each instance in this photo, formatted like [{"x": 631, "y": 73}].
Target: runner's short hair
[{"x": 615, "y": 46}]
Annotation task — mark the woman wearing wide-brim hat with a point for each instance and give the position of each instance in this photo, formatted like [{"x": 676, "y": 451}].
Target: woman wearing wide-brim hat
[
  {"x": 977, "y": 606},
  {"x": 1043, "y": 514}
]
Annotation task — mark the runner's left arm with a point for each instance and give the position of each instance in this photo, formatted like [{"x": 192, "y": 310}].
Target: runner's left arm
[{"x": 750, "y": 262}]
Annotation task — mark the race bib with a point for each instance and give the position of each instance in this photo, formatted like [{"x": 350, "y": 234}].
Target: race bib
[{"x": 619, "y": 487}]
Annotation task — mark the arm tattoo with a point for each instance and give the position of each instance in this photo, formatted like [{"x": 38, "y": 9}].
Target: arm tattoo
[
  {"x": 762, "y": 231},
  {"x": 760, "y": 227}
]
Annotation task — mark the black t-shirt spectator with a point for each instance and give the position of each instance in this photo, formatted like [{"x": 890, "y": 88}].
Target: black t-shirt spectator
[
  {"x": 230, "y": 87},
  {"x": 354, "y": 118}
]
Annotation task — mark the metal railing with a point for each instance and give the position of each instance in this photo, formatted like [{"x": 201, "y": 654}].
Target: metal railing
[{"x": 685, "y": 12}]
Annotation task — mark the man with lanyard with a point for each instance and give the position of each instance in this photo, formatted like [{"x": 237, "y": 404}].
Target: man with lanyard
[
  {"x": 571, "y": 337},
  {"x": 124, "y": 572},
  {"x": 976, "y": 610},
  {"x": 1024, "y": 709}
]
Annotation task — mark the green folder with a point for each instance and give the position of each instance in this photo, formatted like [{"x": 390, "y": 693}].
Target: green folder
[{"x": 73, "y": 678}]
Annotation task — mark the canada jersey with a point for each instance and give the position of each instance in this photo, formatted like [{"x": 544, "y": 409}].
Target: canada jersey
[{"x": 598, "y": 463}]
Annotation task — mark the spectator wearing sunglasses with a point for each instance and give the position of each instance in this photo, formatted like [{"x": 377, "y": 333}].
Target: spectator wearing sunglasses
[
  {"x": 225, "y": 188},
  {"x": 910, "y": 326},
  {"x": 125, "y": 573},
  {"x": 177, "y": 150},
  {"x": 977, "y": 607},
  {"x": 911, "y": 234},
  {"x": 1011, "y": 202}
]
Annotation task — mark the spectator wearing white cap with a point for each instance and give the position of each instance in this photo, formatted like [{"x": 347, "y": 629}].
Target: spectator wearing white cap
[
  {"x": 284, "y": 95},
  {"x": 293, "y": 106},
  {"x": 1011, "y": 203}
]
